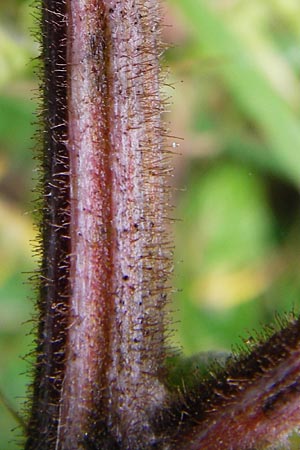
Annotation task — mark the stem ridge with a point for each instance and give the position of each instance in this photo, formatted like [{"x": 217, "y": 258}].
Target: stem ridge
[{"x": 54, "y": 231}]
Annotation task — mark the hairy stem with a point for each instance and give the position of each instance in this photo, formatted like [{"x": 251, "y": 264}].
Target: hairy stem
[
  {"x": 106, "y": 259},
  {"x": 53, "y": 280},
  {"x": 253, "y": 403}
]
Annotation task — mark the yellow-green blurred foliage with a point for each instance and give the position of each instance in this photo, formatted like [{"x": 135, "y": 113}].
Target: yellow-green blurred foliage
[
  {"x": 235, "y": 67},
  {"x": 17, "y": 86}
]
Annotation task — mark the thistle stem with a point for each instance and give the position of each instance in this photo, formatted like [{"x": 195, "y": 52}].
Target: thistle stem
[{"x": 105, "y": 253}]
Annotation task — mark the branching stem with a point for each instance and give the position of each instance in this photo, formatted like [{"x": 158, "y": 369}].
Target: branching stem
[{"x": 106, "y": 259}]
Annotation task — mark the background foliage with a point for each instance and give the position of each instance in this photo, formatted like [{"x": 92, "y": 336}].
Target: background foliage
[{"x": 235, "y": 67}]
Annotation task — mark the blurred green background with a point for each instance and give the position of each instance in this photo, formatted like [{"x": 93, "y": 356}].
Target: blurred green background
[{"x": 235, "y": 108}]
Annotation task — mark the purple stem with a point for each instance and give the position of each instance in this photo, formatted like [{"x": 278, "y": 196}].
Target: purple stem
[
  {"x": 253, "y": 403},
  {"x": 106, "y": 257}
]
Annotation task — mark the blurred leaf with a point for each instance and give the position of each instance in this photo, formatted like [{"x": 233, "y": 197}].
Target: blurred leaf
[
  {"x": 249, "y": 87},
  {"x": 13, "y": 56},
  {"x": 230, "y": 237},
  {"x": 16, "y": 129}
]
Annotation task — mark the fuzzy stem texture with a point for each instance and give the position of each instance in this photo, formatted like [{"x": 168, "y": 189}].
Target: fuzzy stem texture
[
  {"x": 53, "y": 279},
  {"x": 252, "y": 403},
  {"x": 106, "y": 259}
]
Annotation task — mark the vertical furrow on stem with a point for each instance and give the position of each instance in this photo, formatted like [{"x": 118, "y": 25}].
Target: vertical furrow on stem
[
  {"x": 82, "y": 400},
  {"x": 54, "y": 232},
  {"x": 120, "y": 259}
]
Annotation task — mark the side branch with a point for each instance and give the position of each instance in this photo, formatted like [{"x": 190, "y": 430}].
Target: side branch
[{"x": 253, "y": 403}]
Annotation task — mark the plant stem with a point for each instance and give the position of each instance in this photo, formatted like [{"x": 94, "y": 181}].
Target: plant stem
[
  {"x": 104, "y": 233},
  {"x": 53, "y": 280},
  {"x": 252, "y": 403}
]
